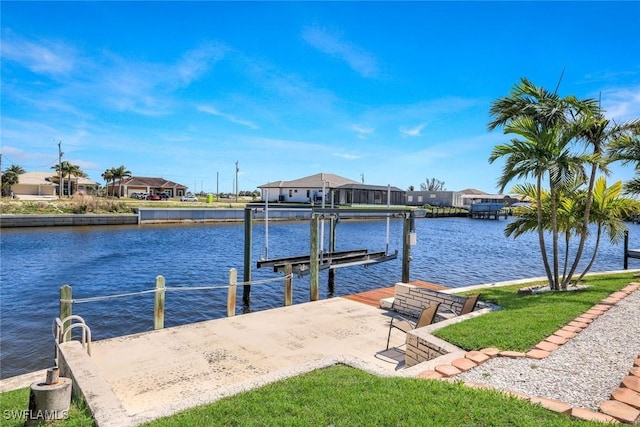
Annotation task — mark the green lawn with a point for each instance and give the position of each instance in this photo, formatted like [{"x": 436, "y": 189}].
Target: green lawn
[
  {"x": 526, "y": 320},
  {"x": 343, "y": 396}
]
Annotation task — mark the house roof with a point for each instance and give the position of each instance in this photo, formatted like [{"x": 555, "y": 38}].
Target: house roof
[
  {"x": 312, "y": 181},
  {"x": 487, "y": 196},
  {"x": 143, "y": 181},
  {"x": 45, "y": 178},
  {"x": 472, "y": 191}
]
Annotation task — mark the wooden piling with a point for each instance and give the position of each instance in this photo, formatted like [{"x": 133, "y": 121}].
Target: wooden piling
[
  {"x": 231, "y": 296},
  {"x": 626, "y": 250},
  {"x": 313, "y": 258},
  {"x": 332, "y": 248},
  {"x": 158, "y": 307},
  {"x": 288, "y": 285},
  {"x": 65, "y": 310},
  {"x": 408, "y": 227},
  {"x": 248, "y": 227}
]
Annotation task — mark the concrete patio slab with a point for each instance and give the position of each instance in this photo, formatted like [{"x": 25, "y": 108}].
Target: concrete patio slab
[{"x": 160, "y": 372}]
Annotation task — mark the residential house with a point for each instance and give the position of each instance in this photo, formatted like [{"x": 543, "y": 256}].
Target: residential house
[
  {"x": 473, "y": 197},
  {"x": 482, "y": 203},
  {"x": 148, "y": 185},
  {"x": 45, "y": 184},
  {"x": 330, "y": 187},
  {"x": 435, "y": 198}
]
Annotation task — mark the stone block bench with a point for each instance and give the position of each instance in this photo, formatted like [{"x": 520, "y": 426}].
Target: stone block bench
[
  {"x": 409, "y": 300},
  {"x": 421, "y": 345}
]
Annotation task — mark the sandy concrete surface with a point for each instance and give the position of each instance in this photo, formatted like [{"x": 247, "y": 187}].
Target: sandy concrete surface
[{"x": 158, "y": 373}]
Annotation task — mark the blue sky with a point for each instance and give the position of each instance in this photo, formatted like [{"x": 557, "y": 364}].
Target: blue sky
[{"x": 392, "y": 92}]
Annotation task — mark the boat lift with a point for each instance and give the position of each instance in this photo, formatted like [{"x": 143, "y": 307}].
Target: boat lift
[{"x": 318, "y": 259}]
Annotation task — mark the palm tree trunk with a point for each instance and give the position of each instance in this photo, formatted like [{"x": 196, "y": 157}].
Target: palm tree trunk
[
  {"x": 543, "y": 248},
  {"x": 567, "y": 237},
  {"x": 585, "y": 224},
  {"x": 593, "y": 257},
  {"x": 554, "y": 235}
]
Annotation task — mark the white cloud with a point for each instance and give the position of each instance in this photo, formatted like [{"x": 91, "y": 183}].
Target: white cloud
[
  {"x": 415, "y": 131},
  {"x": 621, "y": 104},
  {"x": 46, "y": 57},
  {"x": 362, "y": 131},
  {"x": 197, "y": 62},
  {"x": 347, "y": 156},
  {"x": 231, "y": 118},
  {"x": 359, "y": 60}
]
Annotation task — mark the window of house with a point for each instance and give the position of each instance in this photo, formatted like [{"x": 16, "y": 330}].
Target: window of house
[
  {"x": 308, "y": 193},
  {"x": 290, "y": 193}
]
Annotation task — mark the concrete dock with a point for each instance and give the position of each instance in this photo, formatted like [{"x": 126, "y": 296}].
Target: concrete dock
[{"x": 132, "y": 379}]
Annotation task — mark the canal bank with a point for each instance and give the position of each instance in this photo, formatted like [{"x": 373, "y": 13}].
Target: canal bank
[
  {"x": 143, "y": 216},
  {"x": 156, "y": 216}
]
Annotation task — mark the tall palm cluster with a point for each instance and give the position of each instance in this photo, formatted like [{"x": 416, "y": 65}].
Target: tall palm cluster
[
  {"x": 562, "y": 144},
  {"x": 10, "y": 176},
  {"x": 113, "y": 175},
  {"x": 66, "y": 170}
]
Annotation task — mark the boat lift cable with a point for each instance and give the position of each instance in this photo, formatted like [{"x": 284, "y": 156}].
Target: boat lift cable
[{"x": 388, "y": 217}]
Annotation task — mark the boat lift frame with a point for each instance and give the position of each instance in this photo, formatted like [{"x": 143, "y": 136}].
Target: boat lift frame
[{"x": 331, "y": 260}]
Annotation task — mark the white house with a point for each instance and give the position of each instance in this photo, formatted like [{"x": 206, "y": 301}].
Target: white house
[
  {"x": 322, "y": 185},
  {"x": 303, "y": 190}
]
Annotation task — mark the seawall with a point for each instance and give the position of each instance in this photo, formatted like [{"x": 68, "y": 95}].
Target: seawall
[
  {"x": 147, "y": 216},
  {"x": 11, "y": 221}
]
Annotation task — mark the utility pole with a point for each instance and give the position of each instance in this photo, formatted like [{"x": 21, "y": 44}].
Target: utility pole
[
  {"x": 1, "y": 193},
  {"x": 237, "y": 170},
  {"x": 217, "y": 185},
  {"x": 60, "y": 183}
]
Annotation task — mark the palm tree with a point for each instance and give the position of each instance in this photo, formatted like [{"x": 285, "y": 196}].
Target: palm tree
[
  {"x": 608, "y": 212},
  {"x": 77, "y": 172},
  {"x": 120, "y": 173},
  {"x": 432, "y": 184},
  {"x": 627, "y": 149},
  {"x": 542, "y": 149},
  {"x": 11, "y": 176},
  {"x": 61, "y": 172},
  {"x": 66, "y": 170},
  {"x": 598, "y": 133},
  {"x": 107, "y": 175}
]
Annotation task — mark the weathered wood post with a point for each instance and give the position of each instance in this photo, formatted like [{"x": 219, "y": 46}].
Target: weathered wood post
[
  {"x": 313, "y": 258},
  {"x": 231, "y": 296},
  {"x": 248, "y": 227},
  {"x": 332, "y": 248},
  {"x": 626, "y": 249},
  {"x": 65, "y": 309},
  {"x": 158, "y": 306},
  {"x": 407, "y": 229},
  {"x": 288, "y": 285}
]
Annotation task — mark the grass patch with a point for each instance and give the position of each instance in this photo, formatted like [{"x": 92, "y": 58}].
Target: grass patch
[
  {"x": 525, "y": 320},
  {"x": 14, "y": 403},
  {"x": 344, "y": 396}
]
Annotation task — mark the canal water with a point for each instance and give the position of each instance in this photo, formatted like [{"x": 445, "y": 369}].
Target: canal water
[{"x": 99, "y": 261}]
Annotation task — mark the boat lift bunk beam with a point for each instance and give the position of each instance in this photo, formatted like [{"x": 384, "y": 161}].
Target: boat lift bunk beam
[
  {"x": 333, "y": 261},
  {"x": 316, "y": 261}
]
